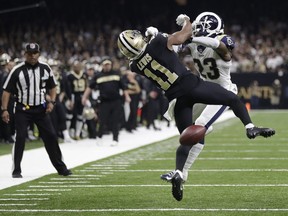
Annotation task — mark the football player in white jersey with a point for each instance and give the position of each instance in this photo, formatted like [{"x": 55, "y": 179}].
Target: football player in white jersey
[{"x": 211, "y": 51}]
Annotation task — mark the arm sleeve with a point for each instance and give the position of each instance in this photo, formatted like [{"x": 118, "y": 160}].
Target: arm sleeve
[{"x": 206, "y": 41}]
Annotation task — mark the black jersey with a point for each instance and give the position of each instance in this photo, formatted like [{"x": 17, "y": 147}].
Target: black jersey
[
  {"x": 76, "y": 84},
  {"x": 109, "y": 84},
  {"x": 162, "y": 66},
  {"x": 61, "y": 83}
]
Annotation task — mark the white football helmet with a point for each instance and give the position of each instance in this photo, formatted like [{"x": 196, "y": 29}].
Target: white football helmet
[
  {"x": 131, "y": 43},
  {"x": 207, "y": 24}
]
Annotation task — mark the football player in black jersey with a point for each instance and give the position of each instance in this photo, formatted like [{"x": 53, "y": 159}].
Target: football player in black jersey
[
  {"x": 110, "y": 83},
  {"x": 76, "y": 85},
  {"x": 154, "y": 58},
  {"x": 58, "y": 115}
]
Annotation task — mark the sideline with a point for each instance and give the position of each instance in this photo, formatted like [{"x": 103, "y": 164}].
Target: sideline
[{"x": 35, "y": 162}]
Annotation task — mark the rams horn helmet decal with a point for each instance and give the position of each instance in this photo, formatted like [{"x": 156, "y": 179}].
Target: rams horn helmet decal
[{"x": 208, "y": 24}]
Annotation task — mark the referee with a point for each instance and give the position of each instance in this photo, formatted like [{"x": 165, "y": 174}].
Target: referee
[{"x": 28, "y": 82}]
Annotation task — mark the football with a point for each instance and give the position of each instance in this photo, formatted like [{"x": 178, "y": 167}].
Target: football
[{"x": 192, "y": 135}]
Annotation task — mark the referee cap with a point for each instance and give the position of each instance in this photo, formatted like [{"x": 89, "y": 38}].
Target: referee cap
[{"x": 32, "y": 48}]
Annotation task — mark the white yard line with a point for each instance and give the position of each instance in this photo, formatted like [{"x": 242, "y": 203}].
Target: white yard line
[
  {"x": 151, "y": 210},
  {"x": 159, "y": 185},
  {"x": 36, "y": 163},
  {"x": 204, "y": 170},
  {"x": 18, "y": 204},
  {"x": 24, "y": 199}
]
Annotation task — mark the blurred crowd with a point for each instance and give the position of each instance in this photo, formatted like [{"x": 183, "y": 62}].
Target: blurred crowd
[
  {"x": 259, "y": 48},
  {"x": 87, "y": 35}
]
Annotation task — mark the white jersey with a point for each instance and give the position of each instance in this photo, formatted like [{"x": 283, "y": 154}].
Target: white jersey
[{"x": 211, "y": 66}]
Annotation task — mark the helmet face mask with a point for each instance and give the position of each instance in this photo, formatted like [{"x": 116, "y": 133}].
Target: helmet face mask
[
  {"x": 208, "y": 24},
  {"x": 131, "y": 43}
]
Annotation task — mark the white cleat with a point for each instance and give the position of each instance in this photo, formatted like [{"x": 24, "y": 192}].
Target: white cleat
[
  {"x": 69, "y": 140},
  {"x": 114, "y": 143},
  {"x": 99, "y": 141}
]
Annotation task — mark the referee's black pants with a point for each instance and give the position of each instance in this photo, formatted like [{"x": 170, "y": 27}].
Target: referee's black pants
[{"x": 47, "y": 132}]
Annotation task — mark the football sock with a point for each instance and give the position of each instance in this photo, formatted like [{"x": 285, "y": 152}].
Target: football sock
[
  {"x": 79, "y": 125},
  {"x": 250, "y": 125},
  {"x": 66, "y": 134},
  {"x": 193, "y": 154}
]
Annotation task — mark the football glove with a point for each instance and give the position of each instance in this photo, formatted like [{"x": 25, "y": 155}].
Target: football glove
[
  {"x": 151, "y": 31},
  {"x": 180, "y": 20},
  {"x": 194, "y": 29}
]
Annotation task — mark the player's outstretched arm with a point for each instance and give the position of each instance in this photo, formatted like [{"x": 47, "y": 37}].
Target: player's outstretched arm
[{"x": 181, "y": 36}]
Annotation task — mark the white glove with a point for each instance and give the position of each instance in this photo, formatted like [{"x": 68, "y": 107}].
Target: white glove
[
  {"x": 194, "y": 29},
  {"x": 177, "y": 48},
  {"x": 180, "y": 20},
  {"x": 151, "y": 31}
]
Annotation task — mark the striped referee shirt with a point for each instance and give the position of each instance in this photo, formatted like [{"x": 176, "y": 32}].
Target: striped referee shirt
[{"x": 28, "y": 83}]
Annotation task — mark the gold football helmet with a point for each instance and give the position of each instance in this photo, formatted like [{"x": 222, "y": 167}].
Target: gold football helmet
[
  {"x": 131, "y": 43},
  {"x": 89, "y": 113}
]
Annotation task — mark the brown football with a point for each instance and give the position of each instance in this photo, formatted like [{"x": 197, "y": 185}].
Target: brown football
[{"x": 192, "y": 135}]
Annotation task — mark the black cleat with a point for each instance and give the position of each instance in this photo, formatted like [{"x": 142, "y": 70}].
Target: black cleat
[
  {"x": 17, "y": 175},
  {"x": 66, "y": 172},
  {"x": 256, "y": 131},
  {"x": 177, "y": 185}
]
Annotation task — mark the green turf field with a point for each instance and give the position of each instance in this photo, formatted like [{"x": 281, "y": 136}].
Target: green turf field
[
  {"x": 232, "y": 176},
  {"x": 7, "y": 148}
]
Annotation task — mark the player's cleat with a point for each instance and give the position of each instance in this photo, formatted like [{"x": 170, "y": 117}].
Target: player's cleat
[
  {"x": 114, "y": 143},
  {"x": 176, "y": 178},
  {"x": 177, "y": 185},
  {"x": 17, "y": 175},
  {"x": 31, "y": 135},
  {"x": 256, "y": 131},
  {"x": 77, "y": 138},
  {"x": 68, "y": 140},
  {"x": 168, "y": 176},
  {"x": 66, "y": 172}
]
